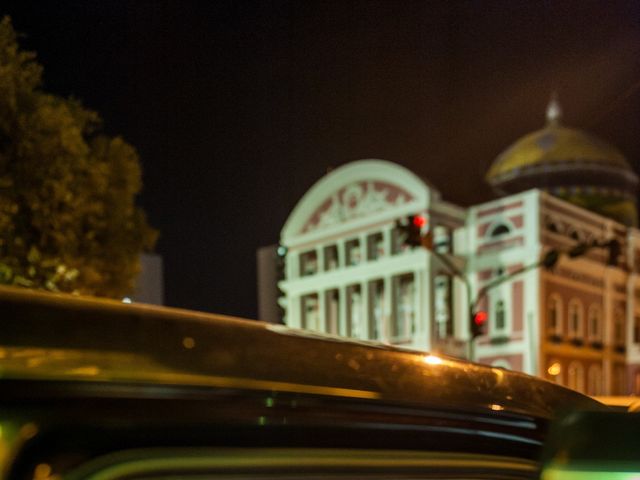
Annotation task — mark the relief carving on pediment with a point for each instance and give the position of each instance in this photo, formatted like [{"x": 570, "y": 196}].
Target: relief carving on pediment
[{"x": 356, "y": 200}]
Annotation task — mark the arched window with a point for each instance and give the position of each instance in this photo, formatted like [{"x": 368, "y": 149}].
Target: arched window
[
  {"x": 576, "y": 319},
  {"x": 618, "y": 327},
  {"x": 500, "y": 229},
  {"x": 595, "y": 323},
  {"x": 500, "y": 319},
  {"x": 501, "y": 363},
  {"x": 554, "y": 315},
  {"x": 594, "y": 380},
  {"x": 575, "y": 376},
  {"x": 620, "y": 380}
]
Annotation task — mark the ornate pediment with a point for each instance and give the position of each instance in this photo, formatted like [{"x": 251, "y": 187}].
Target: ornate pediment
[{"x": 356, "y": 200}]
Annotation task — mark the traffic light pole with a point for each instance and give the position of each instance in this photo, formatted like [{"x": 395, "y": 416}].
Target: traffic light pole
[
  {"x": 457, "y": 273},
  {"x": 472, "y": 303},
  {"x": 548, "y": 261}
]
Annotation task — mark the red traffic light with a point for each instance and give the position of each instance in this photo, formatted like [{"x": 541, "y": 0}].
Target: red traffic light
[
  {"x": 478, "y": 323},
  {"x": 419, "y": 221},
  {"x": 480, "y": 318}
]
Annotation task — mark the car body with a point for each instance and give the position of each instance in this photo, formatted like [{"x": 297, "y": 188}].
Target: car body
[{"x": 104, "y": 390}]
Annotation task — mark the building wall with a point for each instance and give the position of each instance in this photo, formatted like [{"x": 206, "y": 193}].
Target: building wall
[
  {"x": 585, "y": 348},
  {"x": 347, "y": 270},
  {"x": 403, "y": 296},
  {"x": 267, "y": 276},
  {"x": 503, "y": 240},
  {"x": 150, "y": 282}
]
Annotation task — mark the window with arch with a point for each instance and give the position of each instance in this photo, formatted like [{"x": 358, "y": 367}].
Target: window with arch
[
  {"x": 554, "y": 315},
  {"x": 501, "y": 363},
  {"x": 499, "y": 230},
  {"x": 500, "y": 317},
  {"x": 310, "y": 312},
  {"x": 620, "y": 380},
  {"x": 594, "y": 380},
  {"x": 575, "y": 376},
  {"x": 594, "y": 320},
  {"x": 576, "y": 319},
  {"x": 308, "y": 263}
]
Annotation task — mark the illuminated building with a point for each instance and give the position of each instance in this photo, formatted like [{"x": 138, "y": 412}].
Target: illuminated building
[{"x": 349, "y": 273}]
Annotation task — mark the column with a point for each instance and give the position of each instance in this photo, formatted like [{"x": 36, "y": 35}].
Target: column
[
  {"x": 342, "y": 259},
  {"x": 386, "y": 240},
  {"x": 387, "y": 316},
  {"x": 418, "y": 321},
  {"x": 322, "y": 311},
  {"x": 366, "y": 328},
  {"x": 294, "y": 312},
  {"x": 293, "y": 264},
  {"x": 342, "y": 316},
  {"x": 320, "y": 257},
  {"x": 364, "y": 248}
]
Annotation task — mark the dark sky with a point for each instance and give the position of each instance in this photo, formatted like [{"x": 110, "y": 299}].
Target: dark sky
[{"x": 238, "y": 107}]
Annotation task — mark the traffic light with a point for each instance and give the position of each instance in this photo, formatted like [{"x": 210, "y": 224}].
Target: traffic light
[
  {"x": 478, "y": 323},
  {"x": 280, "y": 261},
  {"x": 412, "y": 230}
]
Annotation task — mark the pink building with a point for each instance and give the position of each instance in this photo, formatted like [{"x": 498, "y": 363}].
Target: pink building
[{"x": 348, "y": 272}]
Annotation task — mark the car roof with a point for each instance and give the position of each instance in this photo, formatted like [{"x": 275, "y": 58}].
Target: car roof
[
  {"x": 624, "y": 403},
  {"x": 63, "y": 337}
]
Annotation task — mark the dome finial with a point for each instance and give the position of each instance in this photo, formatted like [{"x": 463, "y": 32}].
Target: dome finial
[{"x": 554, "y": 112}]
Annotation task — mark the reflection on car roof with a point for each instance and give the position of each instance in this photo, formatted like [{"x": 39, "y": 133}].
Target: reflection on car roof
[{"x": 59, "y": 337}]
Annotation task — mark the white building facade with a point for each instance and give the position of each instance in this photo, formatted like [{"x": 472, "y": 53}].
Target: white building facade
[{"x": 349, "y": 273}]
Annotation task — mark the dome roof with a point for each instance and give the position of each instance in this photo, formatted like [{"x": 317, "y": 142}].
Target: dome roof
[
  {"x": 570, "y": 164},
  {"x": 553, "y": 147}
]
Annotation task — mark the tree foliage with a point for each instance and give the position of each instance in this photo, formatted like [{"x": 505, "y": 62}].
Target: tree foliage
[{"x": 68, "y": 219}]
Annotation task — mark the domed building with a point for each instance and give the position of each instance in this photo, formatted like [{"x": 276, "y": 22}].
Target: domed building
[
  {"x": 572, "y": 165},
  {"x": 348, "y": 270}
]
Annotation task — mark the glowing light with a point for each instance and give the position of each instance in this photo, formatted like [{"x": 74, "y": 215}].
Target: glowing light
[
  {"x": 496, "y": 407},
  {"x": 127, "y": 300},
  {"x": 554, "y": 369},
  {"x": 89, "y": 371},
  {"x": 188, "y": 342},
  {"x": 42, "y": 471},
  {"x": 419, "y": 221},
  {"x": 499, "y": 374},
  {"x": 480, "y": 318},
  {"x": 432, "y": 360}
]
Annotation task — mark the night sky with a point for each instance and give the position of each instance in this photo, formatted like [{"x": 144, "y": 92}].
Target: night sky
[{"x": 238, "y": 107}]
